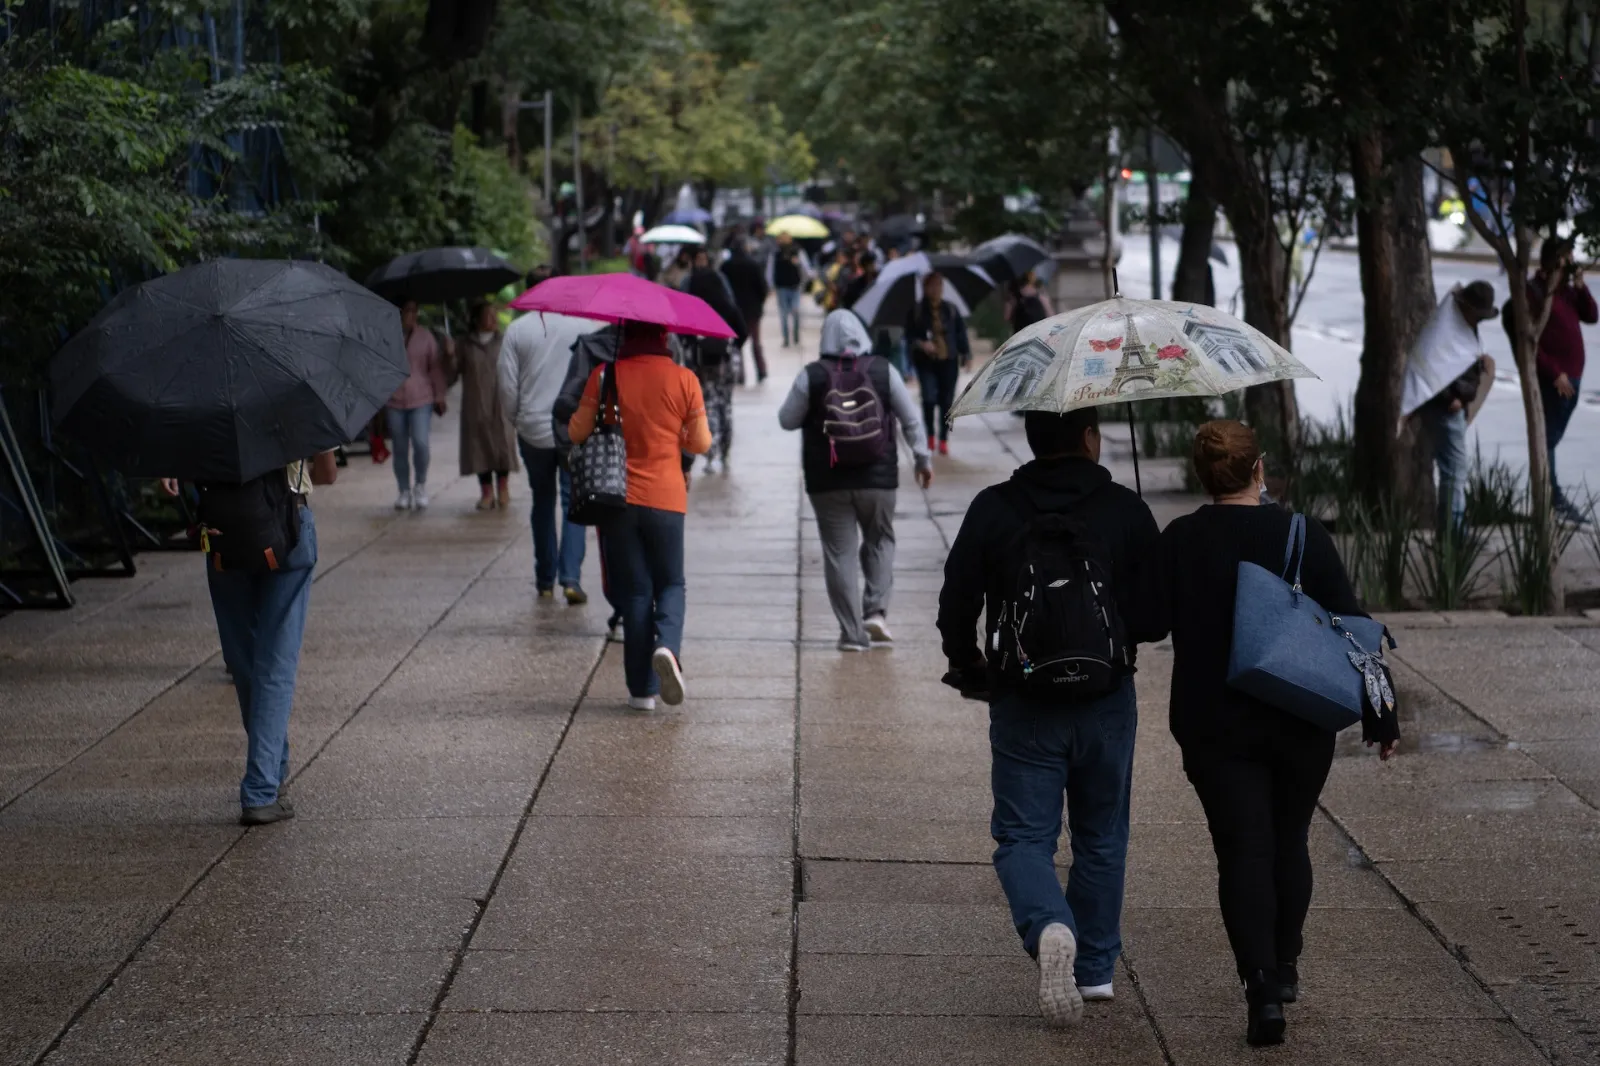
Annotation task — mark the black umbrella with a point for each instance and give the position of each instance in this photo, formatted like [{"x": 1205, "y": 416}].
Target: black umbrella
[
  {"x": 898, "y": 228},
  {"x": 1009, "y": 256},
  {"x": 435, "y": 275},
  {"x": 228, "y": 369},
  {"x": 898, "y": 287}
]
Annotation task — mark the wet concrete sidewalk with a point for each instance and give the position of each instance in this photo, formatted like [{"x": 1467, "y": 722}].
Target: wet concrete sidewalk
[{"x": 495, "y": 862}]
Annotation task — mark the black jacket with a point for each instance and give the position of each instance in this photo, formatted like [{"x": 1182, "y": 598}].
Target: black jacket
[
  {"x": 1187, "y": 584},
  {"x": 711, "y": 287},
  {"x": 820, "y": 474},
  {"x": 919, "y": 327},
  {"x": 588, "y": 352},
  {"x": 979, "y": 573},
  {"x": 748, "y": 281}
]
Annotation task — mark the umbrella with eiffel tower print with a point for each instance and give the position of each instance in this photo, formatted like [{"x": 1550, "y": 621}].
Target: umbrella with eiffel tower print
[{"x": 1121, "y": 350}]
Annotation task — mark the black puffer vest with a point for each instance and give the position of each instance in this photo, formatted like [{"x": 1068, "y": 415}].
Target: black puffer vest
[{"x": 821, "y": 475}]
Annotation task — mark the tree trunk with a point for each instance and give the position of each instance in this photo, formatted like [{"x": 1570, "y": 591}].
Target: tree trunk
[
  {"x": 510, "y": 116},
  {"x": 1271, "y": 408},
  {"x": 1415, "y": 300},
  {"x": 1377, "y": 401},
  {"x": 608, "y": 222},
  {"x": 1191, "y": 283}
]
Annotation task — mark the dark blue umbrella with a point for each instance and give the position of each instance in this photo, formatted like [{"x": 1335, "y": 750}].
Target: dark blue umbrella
[{"x": 229, "y": 369}]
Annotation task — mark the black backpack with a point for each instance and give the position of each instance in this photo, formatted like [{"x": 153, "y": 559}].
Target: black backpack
[
  {"x": 251, "y": 527},
  {"x": 1059, "y": 635}
]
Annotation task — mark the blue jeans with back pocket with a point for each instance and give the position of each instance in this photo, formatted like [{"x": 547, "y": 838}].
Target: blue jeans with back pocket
[{"x": 1044, "y": 752}]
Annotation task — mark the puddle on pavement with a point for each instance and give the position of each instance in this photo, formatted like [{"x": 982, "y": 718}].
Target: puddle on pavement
[{"x": 1429, "y": 725}]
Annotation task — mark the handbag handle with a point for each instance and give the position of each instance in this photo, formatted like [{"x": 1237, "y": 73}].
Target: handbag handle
[
  {"x": 608, "y": 385},
  {"x": 1297, "y": 542}
]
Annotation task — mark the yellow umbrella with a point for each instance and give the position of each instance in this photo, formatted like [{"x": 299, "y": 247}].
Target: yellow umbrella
[{"x": 800, "y": 227}]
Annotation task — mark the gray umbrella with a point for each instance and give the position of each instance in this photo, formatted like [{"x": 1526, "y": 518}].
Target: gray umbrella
[
  {"x": 436, "y": 275},
  {"x": 228, "y": 369}
]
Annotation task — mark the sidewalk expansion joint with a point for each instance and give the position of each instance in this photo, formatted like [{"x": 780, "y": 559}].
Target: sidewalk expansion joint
[
  {"x": 481, "y": 906},
  {"x": 796, "y": 863}
]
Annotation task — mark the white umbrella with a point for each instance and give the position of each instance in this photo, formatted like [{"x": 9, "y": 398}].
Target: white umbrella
[
  {"x": 672, "y": 234},
  {"x": 1125, "y": 350}
]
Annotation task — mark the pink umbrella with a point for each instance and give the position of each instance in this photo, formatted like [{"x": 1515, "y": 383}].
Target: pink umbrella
[{"x": 624, "y": 297}]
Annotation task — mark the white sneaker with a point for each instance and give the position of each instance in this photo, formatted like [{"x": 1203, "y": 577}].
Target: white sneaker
[
  {"x": 713, "y": 465},
  {"x": 1097, "y": 993},
  {"x": 402, "y": 502},
  {"x": 641, "y": 703},
  {"x": 878, "y": 629},
  {"x": 1059, "y": 999},
  {"x": 671, "y": 676},
  {"x": 419, "y": 497},
  {"x": 846, "y": 644},
  {"x": 614, "y": 632}
]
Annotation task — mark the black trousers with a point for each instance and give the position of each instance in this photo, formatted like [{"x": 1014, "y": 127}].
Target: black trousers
[{"x": 1259, "y": 793}]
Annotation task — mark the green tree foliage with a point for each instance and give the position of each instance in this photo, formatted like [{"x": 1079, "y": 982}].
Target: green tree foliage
[{"x": 121, "y": 163}]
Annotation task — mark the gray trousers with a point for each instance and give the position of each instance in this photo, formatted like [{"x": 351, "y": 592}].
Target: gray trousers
[{"x": 856, "y": 524}]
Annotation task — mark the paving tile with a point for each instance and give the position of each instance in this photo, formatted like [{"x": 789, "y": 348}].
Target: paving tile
[
  {"x": 432, "y": 858},
  {"x": 607, "y": 1039},
  {"x": 689, "y": 925},
  {"x": 1105, "y": 1036},
  {"x": 1342, "y": 1041},
  {"x": 907, "y": 929},
  {"x": 837, "y": 881},
  {"x": 571, "y": 794},
  {"x": 1551, "y": 941},
  {"x": 919, "y": 984},
  {"x": 623, "y": 876},
  {"x": 626, "y": 978},
  {"x": 225, "y": 1040},
  {"x": 567, "y": 839}
]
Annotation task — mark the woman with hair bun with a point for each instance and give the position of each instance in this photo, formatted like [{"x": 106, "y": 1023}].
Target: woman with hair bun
[{"x": 1257, "y": 770}]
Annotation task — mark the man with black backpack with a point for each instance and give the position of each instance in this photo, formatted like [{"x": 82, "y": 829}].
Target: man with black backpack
[
  {"x": 1048, "y": 557},
  {"x": 846, "y": 405}
]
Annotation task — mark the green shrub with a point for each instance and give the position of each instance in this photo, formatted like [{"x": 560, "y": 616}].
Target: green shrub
[
  {"x": 1446, "y": 566},
  {"x": 1534, "y": 547}
]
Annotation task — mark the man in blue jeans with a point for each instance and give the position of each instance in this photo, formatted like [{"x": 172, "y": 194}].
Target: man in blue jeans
[
  {"x": 1044, "y": 750},
  {"x": 534, "y": 358},
  {"x": 261, "y": 621}
]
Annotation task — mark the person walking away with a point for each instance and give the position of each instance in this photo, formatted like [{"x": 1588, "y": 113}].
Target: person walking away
[
  {"x": 749, "y": 284},
  {"x": 1026, "y": 303},
  {"x": 261, "y": 620},
  {"x": 1559, "y": 281},
  {"x": 411, "y": 409},
  {"x": 1048, "y": 558},
  {"x": 589, "y": 351},
  {"x": 663, "y": 415},
  {"x": 937, "y": 336},
  {"x": 1446, "y": 371},
  {"x": 846, "y": 405},
  {"x": 1257, "y": 770},
  {"x": 787, "y": 273},
  {"x": 713, "y": 358},
  {"x": 534, "y": 362},
  {"x": 487, "y": 438}
]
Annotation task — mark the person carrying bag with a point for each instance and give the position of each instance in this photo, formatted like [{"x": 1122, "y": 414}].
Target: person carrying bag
[{"x": 1253, "y": 683}]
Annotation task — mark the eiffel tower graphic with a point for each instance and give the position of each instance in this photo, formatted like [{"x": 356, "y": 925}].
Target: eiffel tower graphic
[{"x": 1138, "y": 364}]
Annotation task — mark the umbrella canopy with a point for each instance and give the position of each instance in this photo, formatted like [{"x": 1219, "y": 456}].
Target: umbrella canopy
[
  {"x": 672, "y": 235},
  {"x": 624, "y": 297},
  {"x": 1010, "y": 256},
  {"x": 229, "y": 369},
  {"x": 1125, "y": 350},
  {"x": 435, "y": 275},
  {"x": 898, "y": 228},
  {"x": 899, "y": 287},
  {"x": 800, "y": 227},
  {"x": 688, "y": 216}
]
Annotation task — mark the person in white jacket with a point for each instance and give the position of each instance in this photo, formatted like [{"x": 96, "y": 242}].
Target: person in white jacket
[{"x": 533, "y": 364}]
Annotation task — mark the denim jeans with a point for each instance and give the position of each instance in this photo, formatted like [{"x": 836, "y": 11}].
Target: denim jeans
[
  {"x": 1557, "y": 413},
  {"x": 644, "y": 553},
  {"x": 409, "y": 430},
  {"x": 556, "y": 559},
  {"x": 1448, "y": 431},
  {"x": 937, "y": 380},
  {"x": 261, "y": 619},
  {"x": 1085, "y": 751},
  {"x": 789, "y": 311}
]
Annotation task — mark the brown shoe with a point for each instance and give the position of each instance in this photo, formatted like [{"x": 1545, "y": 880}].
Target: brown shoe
[{"x": 503, "y": 496}]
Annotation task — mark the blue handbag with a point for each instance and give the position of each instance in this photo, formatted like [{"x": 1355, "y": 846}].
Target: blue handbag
[{"x": 1291, "y": 654}]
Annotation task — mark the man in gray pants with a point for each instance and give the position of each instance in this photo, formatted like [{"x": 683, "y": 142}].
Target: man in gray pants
[{"x": 854, "y": 498}]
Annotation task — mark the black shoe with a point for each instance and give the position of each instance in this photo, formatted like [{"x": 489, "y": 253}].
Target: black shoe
[
  {"x": 1266, "y": 1023},
  {"x": 1288, "y": 982},
  {"x": 266, "y": 814}
]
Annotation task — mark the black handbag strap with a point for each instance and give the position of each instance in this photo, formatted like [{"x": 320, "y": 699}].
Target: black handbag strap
[{"x": 1295, "y": 550}]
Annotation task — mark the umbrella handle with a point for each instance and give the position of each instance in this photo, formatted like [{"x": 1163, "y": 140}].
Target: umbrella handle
[{"x": 1133, "y": 438}]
